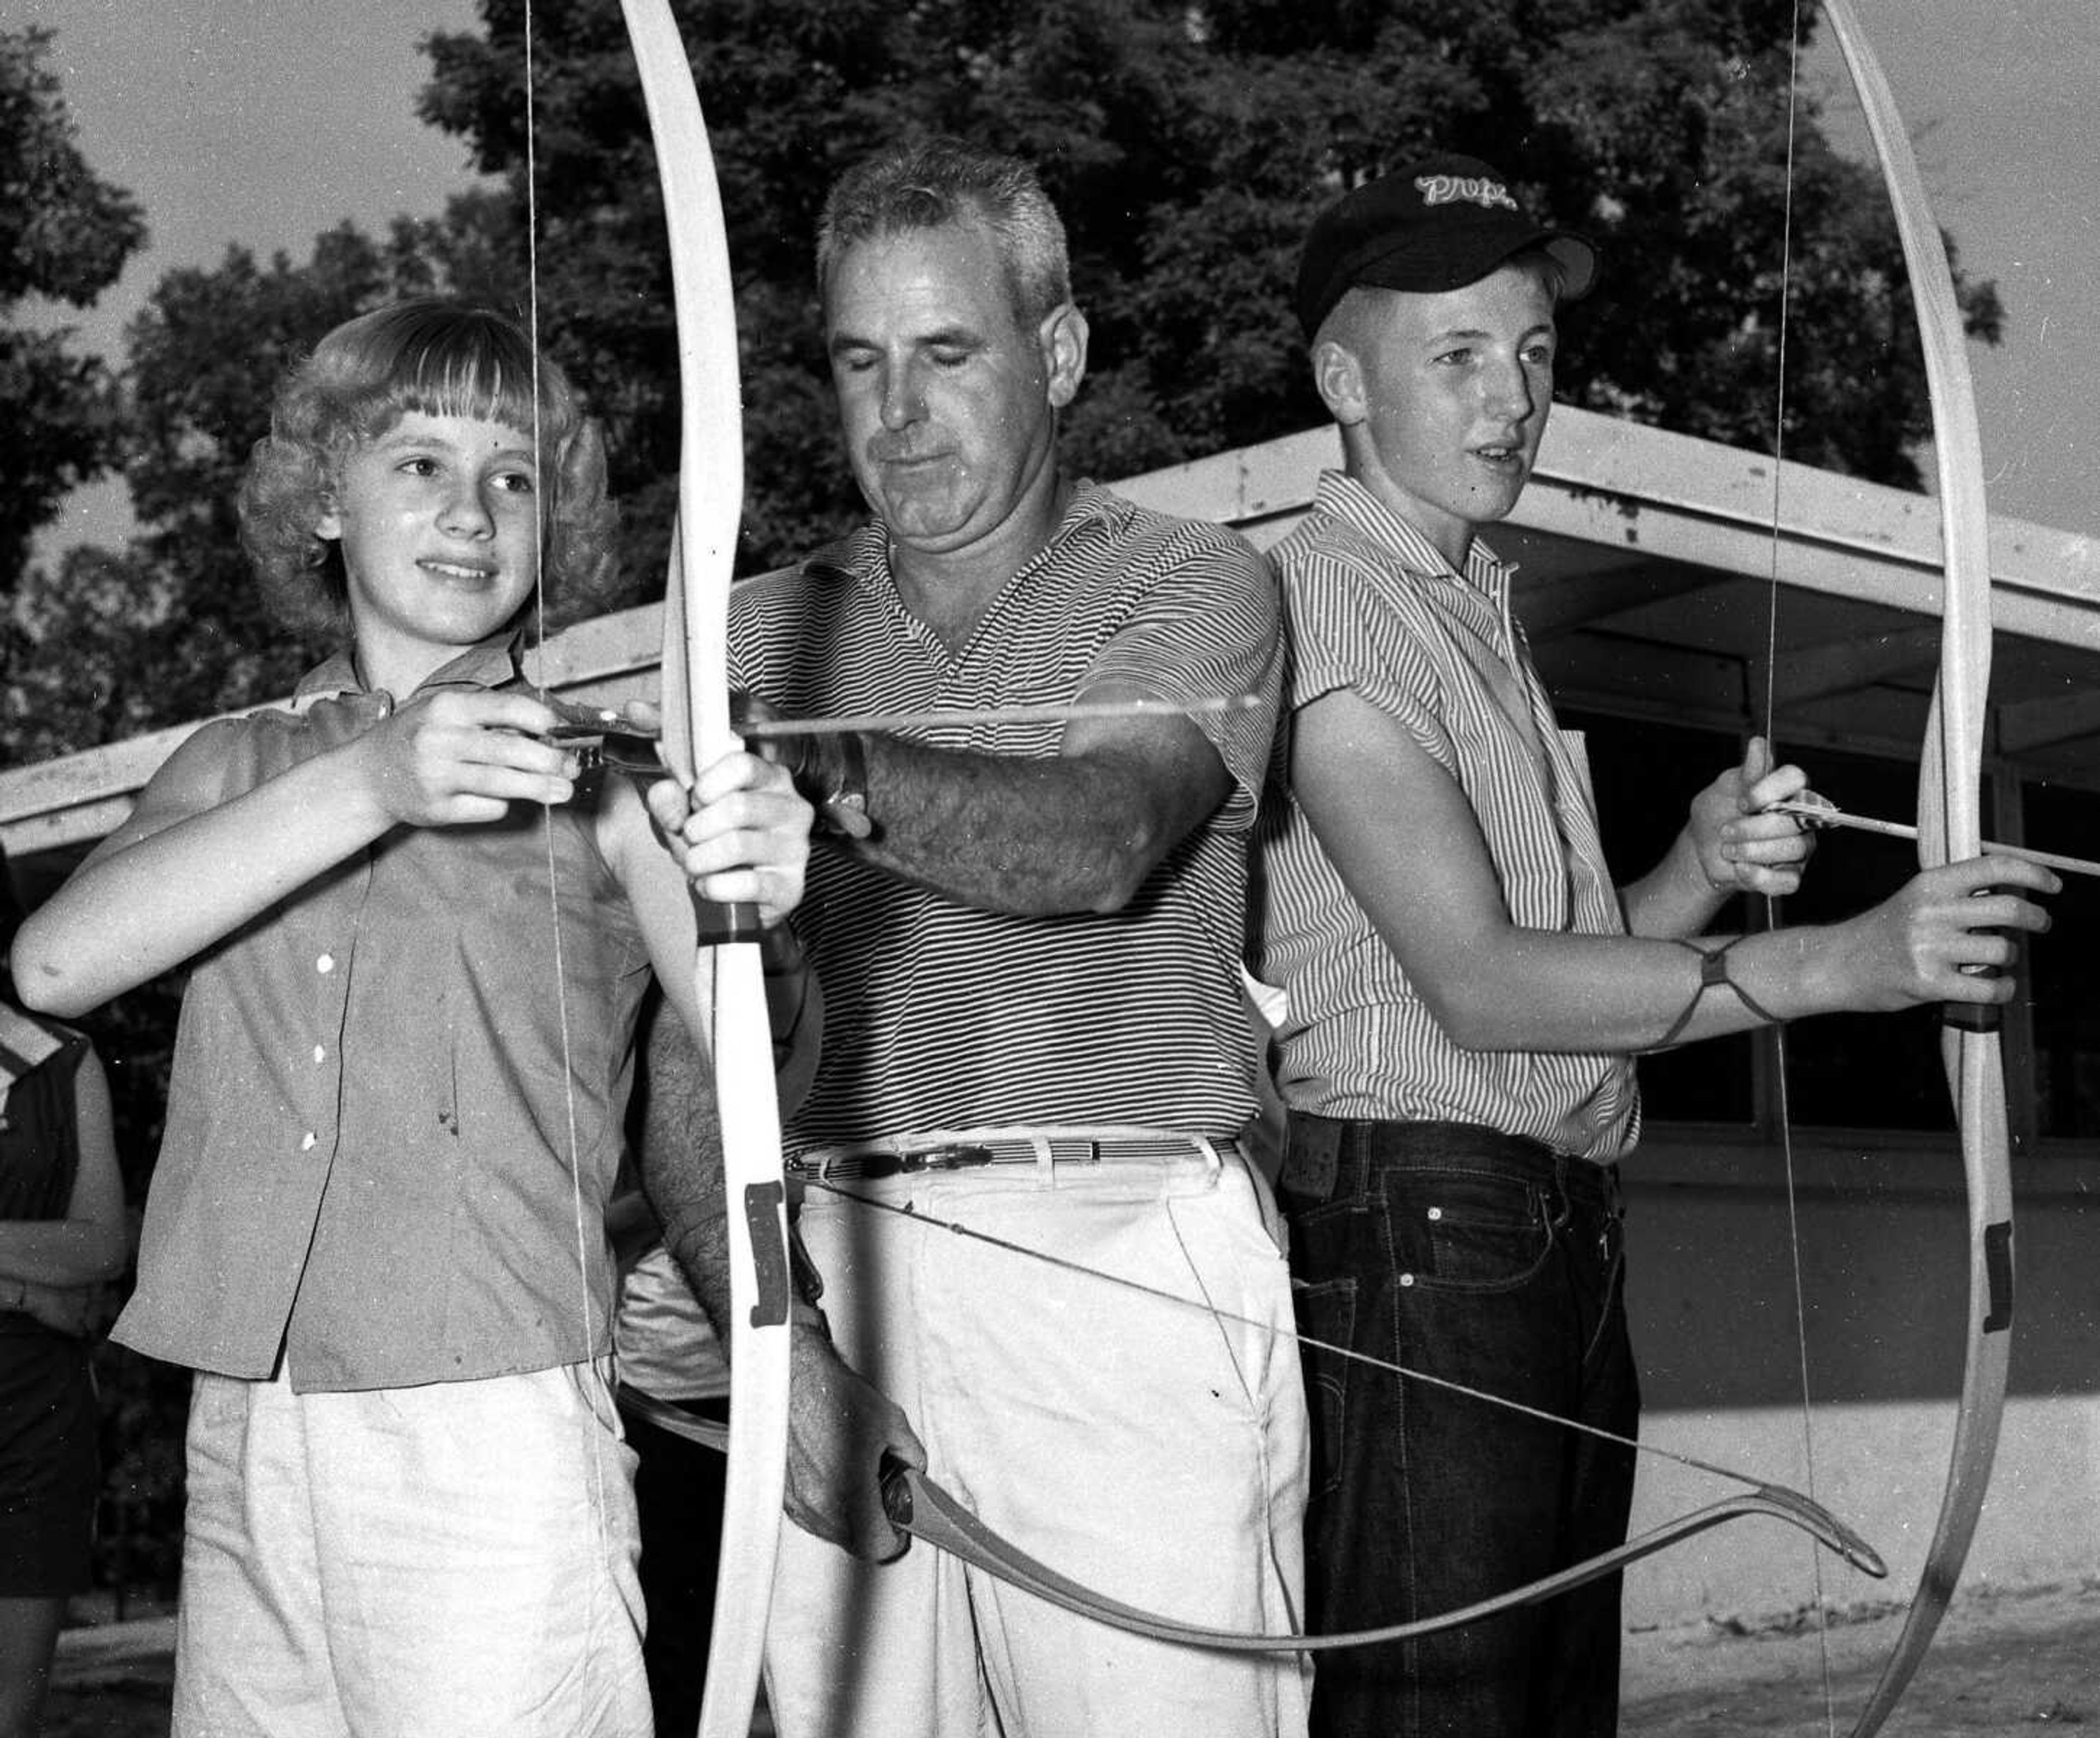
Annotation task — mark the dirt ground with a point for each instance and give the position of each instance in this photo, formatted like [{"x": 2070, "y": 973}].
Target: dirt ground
[
  {"x": 2012, "y": 1664},
  {"x": 2008, "y": 1663}
]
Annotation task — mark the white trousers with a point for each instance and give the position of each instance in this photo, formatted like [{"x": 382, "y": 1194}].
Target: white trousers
[
  {"x": 450, "y": 1561},
  {"x": 1155, "y": 1452}
]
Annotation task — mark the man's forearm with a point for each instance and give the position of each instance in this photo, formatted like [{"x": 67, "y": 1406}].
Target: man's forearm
[
  {"x": 681, "y": 1165},
  {"x": 1041, "y": 837}
]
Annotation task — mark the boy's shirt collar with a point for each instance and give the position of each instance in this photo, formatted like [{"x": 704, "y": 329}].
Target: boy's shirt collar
[{"x": 1347, "y": 499}]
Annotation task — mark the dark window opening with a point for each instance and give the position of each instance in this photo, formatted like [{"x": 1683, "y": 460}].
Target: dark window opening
[
  {"x": 1863, "y": 1071},
  {"x": 1851, "y": 1071},
  {"x": 2060, "y": 966},
  {"x": 1645, "y": 774}
]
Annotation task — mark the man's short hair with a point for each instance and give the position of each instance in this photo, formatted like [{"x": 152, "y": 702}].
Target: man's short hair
[{"x": 931, "y": 183}]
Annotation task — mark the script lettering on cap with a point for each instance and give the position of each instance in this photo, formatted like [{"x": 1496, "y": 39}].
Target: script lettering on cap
[{"x": 1441, "y": 190}]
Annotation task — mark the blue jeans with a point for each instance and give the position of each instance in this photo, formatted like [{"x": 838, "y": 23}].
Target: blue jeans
[{"x": 1489, "y": 1260}]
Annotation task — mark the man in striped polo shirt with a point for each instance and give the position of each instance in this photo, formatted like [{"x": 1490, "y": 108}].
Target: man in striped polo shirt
[
  {"x": 1029, "y": 948},
  {"x": 1467, "y": 989}
]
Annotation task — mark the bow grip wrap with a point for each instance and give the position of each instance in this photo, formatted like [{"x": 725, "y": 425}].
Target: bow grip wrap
[{"x": 896, "y": 1492}]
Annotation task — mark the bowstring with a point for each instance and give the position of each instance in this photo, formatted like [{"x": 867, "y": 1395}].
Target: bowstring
[
  {"x": 587, "y": 1304},
  {"x": 1208, "y": 1307},
  {"x": 1782, "y": 1102}
]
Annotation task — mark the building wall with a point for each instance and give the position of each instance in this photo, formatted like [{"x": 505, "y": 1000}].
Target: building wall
[{"x": 1884, "y": 1280}]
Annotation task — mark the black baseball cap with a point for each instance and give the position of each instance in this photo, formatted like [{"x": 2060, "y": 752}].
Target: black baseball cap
[{"x": 1432, "y": 226}]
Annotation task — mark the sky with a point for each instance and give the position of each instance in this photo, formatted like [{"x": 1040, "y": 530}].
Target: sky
[
  {"x": 261, "y": 122},
  {"x": 1998, "y": 98},
  {"x": 266, "y": 121}
]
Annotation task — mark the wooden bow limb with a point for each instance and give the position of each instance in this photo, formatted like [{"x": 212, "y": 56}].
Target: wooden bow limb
[
  {"x": 921, "y": 1507},
  {"x": 1819, "y": 814},
  {"x": 1949, "y": 800},
  {"x": 728, "y": 972},
  {"x": 939, "y": 1522}
]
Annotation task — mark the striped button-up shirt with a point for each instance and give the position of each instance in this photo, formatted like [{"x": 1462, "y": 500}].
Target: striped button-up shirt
[
  {"x": 1370, "y": 606},
  {"x": 939, "y": 1015}
]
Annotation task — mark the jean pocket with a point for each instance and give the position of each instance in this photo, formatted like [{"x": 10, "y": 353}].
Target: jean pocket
[
  {"x": 1459, "y": 1231},
  {"x": 1327, "y": 1325}
]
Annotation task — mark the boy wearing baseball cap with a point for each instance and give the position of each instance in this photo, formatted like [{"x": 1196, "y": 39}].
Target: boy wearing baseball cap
[{"x": 1467, "y": 988}]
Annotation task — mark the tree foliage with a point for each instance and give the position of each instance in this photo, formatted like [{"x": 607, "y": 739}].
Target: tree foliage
[
  {"x": 64, "y": 235},
  {"x": 1188, "y": 146},
  {"x": 113, "y": 643}
]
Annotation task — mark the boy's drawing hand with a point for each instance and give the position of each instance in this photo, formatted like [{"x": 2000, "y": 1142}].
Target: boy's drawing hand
[
  {"x": 745, "y": 838},
  {"x": 460, "y": 756},
  {"x": 1938, "y": 938},
  {"x": 1740, "y": 848}
]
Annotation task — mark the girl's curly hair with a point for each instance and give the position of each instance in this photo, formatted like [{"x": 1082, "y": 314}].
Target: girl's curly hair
[{"x": 443, "y": 359}]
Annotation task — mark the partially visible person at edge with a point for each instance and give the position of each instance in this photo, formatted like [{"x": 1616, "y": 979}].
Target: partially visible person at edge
[
  {"x": 1466, "y": 988},
  {"x": 61, "y": 1239},
  {"x": 375, "y": 1231},
  {"x": 1035, "y": 1024}
]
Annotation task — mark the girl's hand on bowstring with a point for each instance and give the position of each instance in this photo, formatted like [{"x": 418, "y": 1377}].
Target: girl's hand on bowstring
[{"x": 458, "y": 757}]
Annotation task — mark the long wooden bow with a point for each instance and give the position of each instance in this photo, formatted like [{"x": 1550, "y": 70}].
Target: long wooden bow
[
  {"x": 917, "y": 1505},
  {"x": 928, "y": 1510},
  {"x": 1949, "y": 824},
  {"x": 696, "y": 730}
]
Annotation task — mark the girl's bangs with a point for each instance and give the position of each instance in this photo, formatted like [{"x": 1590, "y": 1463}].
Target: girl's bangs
[{"x": 468, "y": 375}]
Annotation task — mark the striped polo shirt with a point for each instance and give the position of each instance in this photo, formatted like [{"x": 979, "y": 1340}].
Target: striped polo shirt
[
  {"x": 1370, "y": 605},
  {"x": 942, "y": 1016}
]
